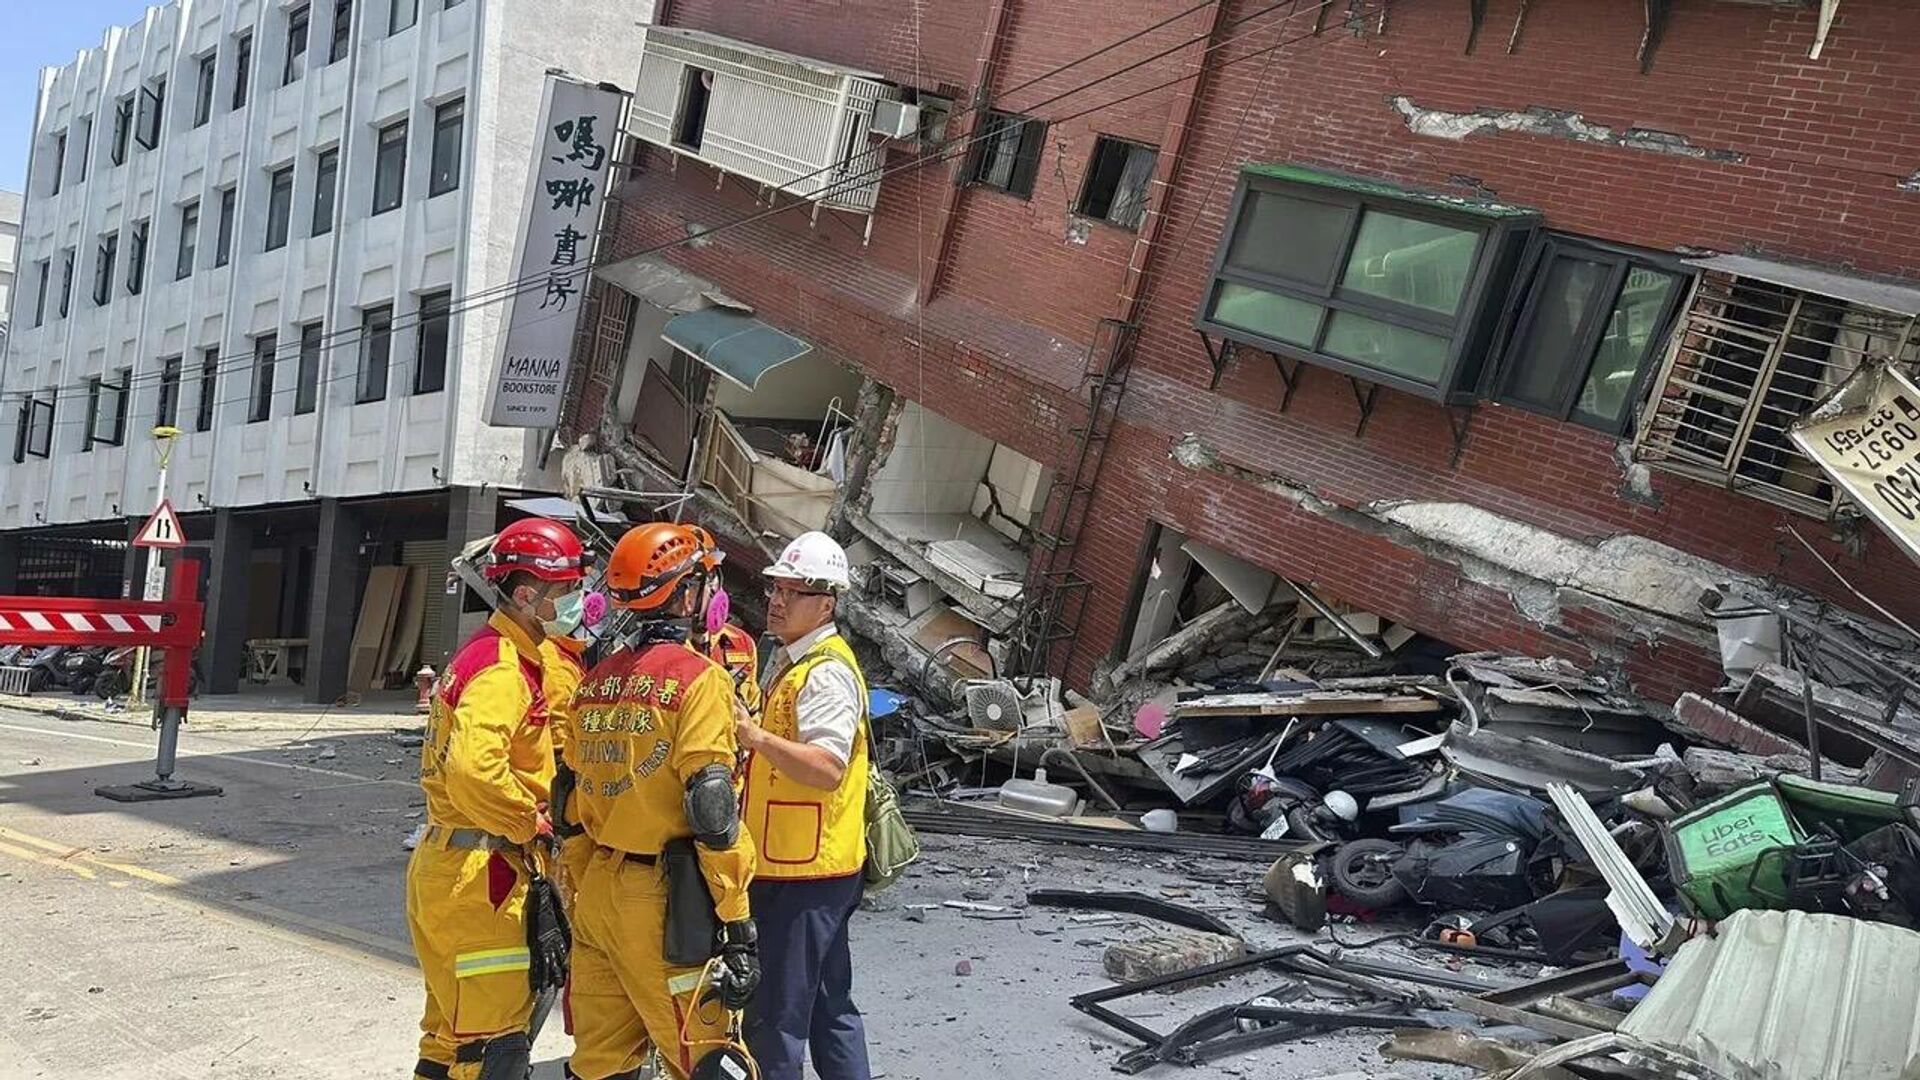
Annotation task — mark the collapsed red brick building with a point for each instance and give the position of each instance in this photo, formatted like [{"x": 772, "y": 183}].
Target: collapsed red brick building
[{"x": 1485, "y": 318}]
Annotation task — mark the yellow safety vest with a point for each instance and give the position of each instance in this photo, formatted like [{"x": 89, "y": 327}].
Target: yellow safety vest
[{"x": 804, "y": 833}]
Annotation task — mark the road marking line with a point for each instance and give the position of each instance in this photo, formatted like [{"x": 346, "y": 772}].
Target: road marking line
[
  {"x": 46, "y": 860},
  {"x": 222, "y": 755},
  {"x": 266, "y": 918}
]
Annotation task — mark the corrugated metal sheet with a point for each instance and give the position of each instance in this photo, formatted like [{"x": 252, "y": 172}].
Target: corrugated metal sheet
[{"x": 1785, "y": 995}]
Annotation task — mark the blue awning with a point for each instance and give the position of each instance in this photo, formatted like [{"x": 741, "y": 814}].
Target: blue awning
[{"x": 733, "y": 343}]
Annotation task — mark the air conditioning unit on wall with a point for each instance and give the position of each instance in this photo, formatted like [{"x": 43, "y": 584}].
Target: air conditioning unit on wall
[{"x": 895, "y": 119}]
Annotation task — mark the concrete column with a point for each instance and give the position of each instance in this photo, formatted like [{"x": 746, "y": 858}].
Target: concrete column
[
  {"x": 228, "y": 571},
  {"x": 9, "y": 563},
  {"x": 471, "y": 514},
  {"x": 335, "y": 603}
]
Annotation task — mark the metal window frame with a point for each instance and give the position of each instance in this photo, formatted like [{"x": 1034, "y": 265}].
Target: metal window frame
[
  {"x": 150, "y": 118},
  {"x": 1675, "y": 388},
  {"x": 371, "y": 339},
  {"x": 187, "y": 252},
  {"x": 138, "y": 235},
  {"x": 381, "y": 147},
  {"x": 105, "y": 255},
  {"x": 97, "y": 388},
  {"x": 266, "y": 349},
  {"x": 279, "y": 211},
  {"x": 1531, "y": 282},
  {"x": 205, "y": 407},
  {"x": 223, "y": 234},
  {"x": 206, "y": 75},
  {"x": 326, "y": 185},
  {"x": 1476, "y": 319},
  {"x": 441, "y": 127},
  {"x": 36, "y": 416},
  {"x": 436, "y": 305},
  {"x": 340, "y": 33},
  {"x": 122, "y": 129},
  {"x": 1129, "y": 147},
  {"x": 1024, "y": 170},
  {"x": 59, "y": 156},
  {"x": 306, "y": 389},
  {"x": 166, "y": 405},
  {"x": 242, "y": 71},
  {"x": 300, "y": 27}
]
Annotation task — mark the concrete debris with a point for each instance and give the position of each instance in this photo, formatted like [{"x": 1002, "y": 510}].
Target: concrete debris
[{"x": 1167, "y": 953}]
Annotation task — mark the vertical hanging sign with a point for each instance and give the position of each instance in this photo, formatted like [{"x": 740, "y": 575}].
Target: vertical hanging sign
[{"x": 572, "y": 174}]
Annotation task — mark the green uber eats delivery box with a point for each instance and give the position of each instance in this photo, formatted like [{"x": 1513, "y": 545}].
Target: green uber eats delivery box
[{"x": 1717, "y": 853}]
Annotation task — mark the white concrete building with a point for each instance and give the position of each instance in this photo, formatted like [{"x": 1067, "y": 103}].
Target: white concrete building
[
  {"x": 9, "y": 251},
  {"x": 249, "y": 219}
]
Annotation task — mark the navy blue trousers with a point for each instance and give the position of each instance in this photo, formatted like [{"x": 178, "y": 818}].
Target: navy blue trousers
[{"x": 805, "y": 999}]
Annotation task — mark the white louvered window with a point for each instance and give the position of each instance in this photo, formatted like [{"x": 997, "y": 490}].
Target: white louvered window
[{"x": 782, "y": 121}]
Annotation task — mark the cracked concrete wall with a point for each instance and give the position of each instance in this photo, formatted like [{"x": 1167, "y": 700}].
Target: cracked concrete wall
[
  {"x": 1631, "y": 579},
  {"x": 1551, "y": 124}
]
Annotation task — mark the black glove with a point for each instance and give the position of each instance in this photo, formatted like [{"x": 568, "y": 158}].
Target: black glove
[
  {"x": 738, "y": 946},
  {"x": 549, "y": 938}
]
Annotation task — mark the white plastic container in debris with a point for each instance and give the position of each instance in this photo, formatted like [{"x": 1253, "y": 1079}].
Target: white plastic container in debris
[{"x": 1037, "y": 796}]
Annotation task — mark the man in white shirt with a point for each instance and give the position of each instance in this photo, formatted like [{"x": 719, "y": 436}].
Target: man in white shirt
[{"x": 805, "y": 804}]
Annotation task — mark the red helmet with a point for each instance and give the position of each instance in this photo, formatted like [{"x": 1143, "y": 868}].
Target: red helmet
[{"x": 539, "y": 546}]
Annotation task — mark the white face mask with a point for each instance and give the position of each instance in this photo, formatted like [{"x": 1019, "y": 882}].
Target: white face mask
[{"x": 568, "y": 610}]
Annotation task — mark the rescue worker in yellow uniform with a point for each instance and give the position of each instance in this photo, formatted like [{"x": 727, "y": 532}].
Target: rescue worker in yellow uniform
[
  {"x": 486, "y": 766},
  {"x": 653, "y": 749},
  {"x": 805, "y": 805}
]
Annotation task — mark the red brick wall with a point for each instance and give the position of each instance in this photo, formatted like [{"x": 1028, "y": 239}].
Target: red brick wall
[{"x": 1821, "y": 149}]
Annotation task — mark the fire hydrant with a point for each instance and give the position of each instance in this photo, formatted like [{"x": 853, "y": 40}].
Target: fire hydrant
[{"x": 424, "y": 680}]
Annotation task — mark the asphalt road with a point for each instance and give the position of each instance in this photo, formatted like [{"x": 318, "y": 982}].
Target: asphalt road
[{"x": 262, "y": 933}]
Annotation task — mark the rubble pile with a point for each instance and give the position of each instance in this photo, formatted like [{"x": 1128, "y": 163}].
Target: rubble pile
[{"x": 1623, "y": 871}]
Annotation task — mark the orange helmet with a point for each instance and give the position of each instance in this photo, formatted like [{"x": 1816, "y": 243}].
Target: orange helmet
[{"x": 652, "y": 560}]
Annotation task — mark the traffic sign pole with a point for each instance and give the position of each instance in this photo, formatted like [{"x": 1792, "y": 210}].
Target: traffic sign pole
[{"x": 156, "y": 583}]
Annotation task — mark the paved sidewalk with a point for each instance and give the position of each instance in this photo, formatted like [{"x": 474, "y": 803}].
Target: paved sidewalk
[{"x": 277, "y": 708}]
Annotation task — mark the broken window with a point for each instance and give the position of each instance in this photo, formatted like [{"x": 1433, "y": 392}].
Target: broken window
[
  {"x": 1752, "y": 355},
  {"x": 696, "y": 93},
  {"x": 1592, "y": 322},
  {"x": 1115, "y": 190},
  {"x": 1006, "y": 154},
  {"x": 1387, "y": 285}
]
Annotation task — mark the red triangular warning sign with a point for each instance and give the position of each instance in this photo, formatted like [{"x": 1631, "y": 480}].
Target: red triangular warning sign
[{"x": 162, "y": 530}]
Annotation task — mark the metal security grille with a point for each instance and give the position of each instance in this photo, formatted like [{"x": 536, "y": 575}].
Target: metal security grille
[
  {"x": 1750, "y": 358},
  {"x": 61, "y": 566}
]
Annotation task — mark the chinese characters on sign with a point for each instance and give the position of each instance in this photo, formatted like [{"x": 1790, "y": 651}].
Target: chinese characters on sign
[
  {"x": 1866, "y": 436},
  {"x": 571, "y": 177}
]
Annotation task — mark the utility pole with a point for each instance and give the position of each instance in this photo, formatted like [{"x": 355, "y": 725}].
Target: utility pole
[{"x": 156, "y": 584}]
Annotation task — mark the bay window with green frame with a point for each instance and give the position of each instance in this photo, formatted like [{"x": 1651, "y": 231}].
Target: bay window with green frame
[
  {"x": 1591, "y": 329},
  {"x": 1385, "y": 284}
]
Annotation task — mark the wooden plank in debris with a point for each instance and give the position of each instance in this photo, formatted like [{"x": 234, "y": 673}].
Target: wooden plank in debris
[{"x": 1331, "y": 703}]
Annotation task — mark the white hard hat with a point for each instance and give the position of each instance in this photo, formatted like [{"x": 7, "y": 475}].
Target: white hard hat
[
  {"x": 814, "y": 559},
  {"x": 1343, "y": 805}
]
